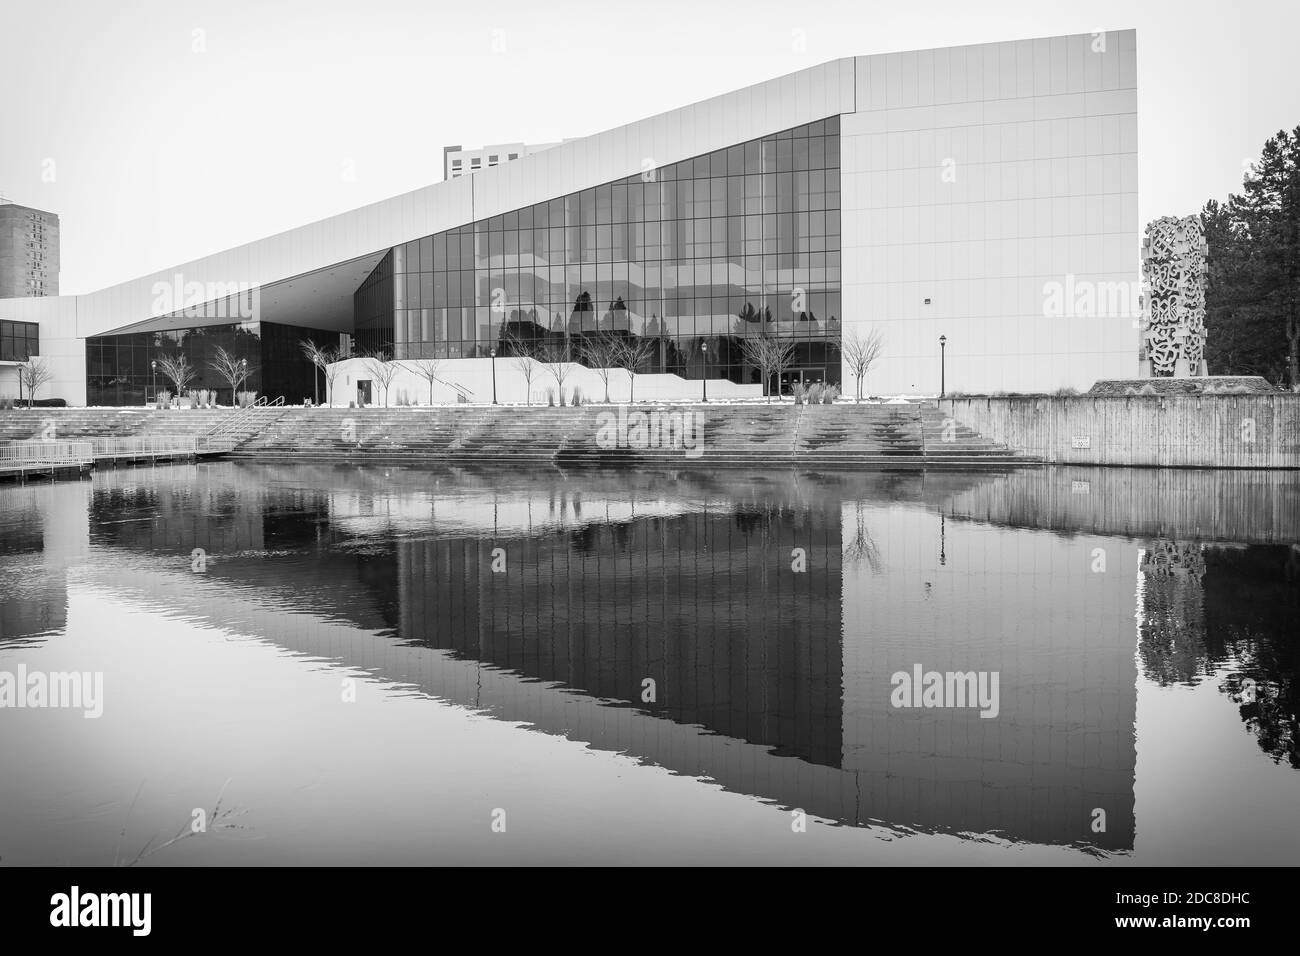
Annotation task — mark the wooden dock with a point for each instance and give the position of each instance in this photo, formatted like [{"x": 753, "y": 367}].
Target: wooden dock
[
  {"x": 22, "y": 471},
  {"x": 73, "y": 459}
]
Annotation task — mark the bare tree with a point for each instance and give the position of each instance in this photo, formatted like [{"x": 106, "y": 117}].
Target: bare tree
[
  {"x": 382, "y": 369},
  {"x": 234, "y": 371},
  {"x": 632, "y": 353},
  {"x": 331, "y": 357},
  {"x": 601, "y": 352},
  {"x": 427, "y": 369},
  {"x": 860, "y": 546},
  {"x": 860, "y": 353},
  {"x": 177, "y": 370},
  {"x": 555, "y": 357},
  {"x": 318, "y": 355},
  {"x": 771, "y": 355},
  {"x": 33, "y": 373},
  {"x": 523, "y": 362}
]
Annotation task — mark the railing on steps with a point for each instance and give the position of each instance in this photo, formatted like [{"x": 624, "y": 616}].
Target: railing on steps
[
  {"x": 463, "y": 392},
  {"x": 221, "y": 434}
]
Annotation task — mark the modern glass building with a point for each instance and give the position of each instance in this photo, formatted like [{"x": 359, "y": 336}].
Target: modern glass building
[
  {"x": 694, "y": 256},
  {"x": 916, "y": 195},
  {"x": 122, "y": 369}
]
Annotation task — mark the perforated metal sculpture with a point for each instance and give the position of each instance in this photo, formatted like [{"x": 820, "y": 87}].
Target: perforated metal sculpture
[{"x": 1174, "y": 266}]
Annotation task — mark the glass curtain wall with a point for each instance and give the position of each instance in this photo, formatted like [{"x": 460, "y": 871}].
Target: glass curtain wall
[
  {"x": 119, "y": 369},
  {"x": 692, "y": 258},
  {"x": 19, "y": 341}
]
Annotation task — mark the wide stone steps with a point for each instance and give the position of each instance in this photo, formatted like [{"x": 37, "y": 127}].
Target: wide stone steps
[
  {"x": 833, "y": 436},
  {"x": 36, "y": 423}
]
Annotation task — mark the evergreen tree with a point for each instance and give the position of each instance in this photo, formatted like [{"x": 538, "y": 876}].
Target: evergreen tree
[{"x": 1253, "y": 298}]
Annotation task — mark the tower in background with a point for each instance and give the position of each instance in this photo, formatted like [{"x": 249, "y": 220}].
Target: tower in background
[
  {"x": 29, "y": 251},
  {"x": 458, "y": 161}
]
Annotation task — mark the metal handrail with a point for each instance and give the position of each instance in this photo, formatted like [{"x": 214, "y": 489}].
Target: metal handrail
[
  {"x": 227, "y": 425},
  {"x": 46, "y": 452},
  {"x": 237, "y": 415},
  {"x": 145, "y": 445},
  {"x": 459, "y": 388}
]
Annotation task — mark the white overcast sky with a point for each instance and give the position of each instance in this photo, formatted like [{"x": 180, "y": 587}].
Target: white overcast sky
[{"x": 159, "y": 154}]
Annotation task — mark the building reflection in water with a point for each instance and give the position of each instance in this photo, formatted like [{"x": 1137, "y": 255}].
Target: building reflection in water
[
  {"x": 734, "y": 627},
  {"x": 697, "y": 618},
  {"x": 1219, "y": 582},
  {"x": 43, "y": 531}
]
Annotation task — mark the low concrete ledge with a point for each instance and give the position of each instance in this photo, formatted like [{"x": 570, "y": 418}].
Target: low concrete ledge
[
  {"x": 1177, "y": 431},
  {"x": 1202, "y": 385}
]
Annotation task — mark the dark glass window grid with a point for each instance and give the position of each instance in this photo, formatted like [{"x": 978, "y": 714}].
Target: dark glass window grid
[
  {"x": 19, "y": 341},
  {"x": 118, "y": 369},
  {"x": 681, "y": 255}
]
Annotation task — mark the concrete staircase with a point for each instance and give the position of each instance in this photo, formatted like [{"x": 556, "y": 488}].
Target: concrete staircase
[
  {"x": 949, "y": 443},
  {"x": 239, "y": 427},
  {"x": 87, "y": 423},
  {"x": 860, "y": 434},
  {"x": 90, "y": 423},
  {"x": 830, "y": 436},
  {"x": 452, "y": 433},
  {"x": 902, "y": 436},
  {"x": 717, "y": 435}
]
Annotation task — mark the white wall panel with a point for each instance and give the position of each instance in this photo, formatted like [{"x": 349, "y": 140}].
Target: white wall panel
[{"x": 1042, "y": 136}]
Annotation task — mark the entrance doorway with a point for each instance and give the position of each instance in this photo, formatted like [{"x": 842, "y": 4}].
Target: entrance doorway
[{"x": 363, "y": 392}]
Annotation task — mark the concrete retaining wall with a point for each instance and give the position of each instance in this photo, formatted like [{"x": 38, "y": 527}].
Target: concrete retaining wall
[{"x": 1208, "y": 431}]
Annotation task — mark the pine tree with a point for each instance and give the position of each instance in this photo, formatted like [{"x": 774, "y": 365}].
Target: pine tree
[{"x": 1253, "y": 298}]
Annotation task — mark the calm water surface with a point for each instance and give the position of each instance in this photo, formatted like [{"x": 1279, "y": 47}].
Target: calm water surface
[{"x": 375, "y": 665}]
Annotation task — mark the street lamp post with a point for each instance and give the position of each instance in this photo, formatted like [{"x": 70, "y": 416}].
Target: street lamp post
[
  {"x": 493, "y": 353},
  {"x": 243, "y": 374},
  {"x": 943, "y": 342},
  {"x": 704, "y": 350},
  {"x": 153, "y": 379}
]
